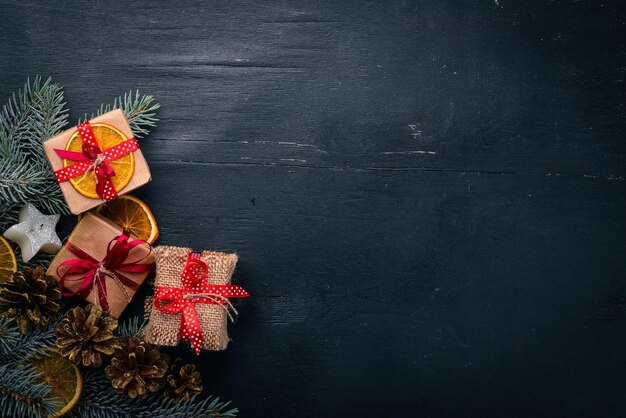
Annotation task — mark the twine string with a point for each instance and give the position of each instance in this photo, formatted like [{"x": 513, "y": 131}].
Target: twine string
[
  {"x": 103, "y": 271},
  {"x": 96, "y": 163},
  {"x": 219, "y": 300}
]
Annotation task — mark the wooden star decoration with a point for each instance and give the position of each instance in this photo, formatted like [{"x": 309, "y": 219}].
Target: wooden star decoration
[{"x": 34, "y": 233}]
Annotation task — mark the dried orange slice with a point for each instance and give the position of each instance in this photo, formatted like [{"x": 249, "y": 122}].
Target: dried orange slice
[
  {"x": 63, "y": 377},
  {"x": 8, "y": 263},
  {"x": 133, "y": 215},
  {"x": 107, "y": 137}
]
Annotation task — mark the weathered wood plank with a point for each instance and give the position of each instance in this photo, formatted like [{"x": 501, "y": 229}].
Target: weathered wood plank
[{"x": 427, "y": 196}]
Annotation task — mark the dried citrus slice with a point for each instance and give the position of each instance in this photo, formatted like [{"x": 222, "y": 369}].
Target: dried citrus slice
[
  {"x": 63, "y": 377},
  {"x": 133, "y": 215},
  {"x": 8, "y": 263},
  {"x": 107, "y": 137}
]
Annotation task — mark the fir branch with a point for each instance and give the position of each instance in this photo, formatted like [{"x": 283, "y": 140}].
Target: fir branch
[
  {"x": 19, "y": 181},
  {"x": 8, "y": 216},
  {"x": 9, "y": 337},
  {"x": 99, "y": 400},
  {"x": 32, "y": 115},
  {"x": 138, "y": 109},
  {"x": 33, "y": 345},
  {"x": 131, "y": 327},
  {"x": 20, "y": 393}
]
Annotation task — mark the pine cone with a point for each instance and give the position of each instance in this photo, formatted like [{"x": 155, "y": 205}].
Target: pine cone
[
  {"x": 85, "y": 335},
  {"x": 30, "y": 297},
  {"x": 137, "y": 368},
  {"x": 182, "y": 381}
]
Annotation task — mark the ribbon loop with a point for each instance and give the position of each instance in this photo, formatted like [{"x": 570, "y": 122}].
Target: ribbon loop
[
  {"x": 93, "y": 273},
  {"x": 92, "y": 158},
  {"x": 174, "y": 300}
]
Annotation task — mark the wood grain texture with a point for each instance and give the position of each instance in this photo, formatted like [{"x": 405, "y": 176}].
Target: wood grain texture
[{"x": 427, "y": 197}]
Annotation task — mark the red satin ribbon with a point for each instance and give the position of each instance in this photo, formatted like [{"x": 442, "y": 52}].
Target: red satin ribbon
[
  {"x": 195, "y": 290},
  {"x": 86, "y": 267},
  {"x": 94, "y": 158}
]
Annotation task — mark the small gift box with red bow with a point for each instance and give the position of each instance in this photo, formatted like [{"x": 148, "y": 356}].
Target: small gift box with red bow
[
  {"x": 192, "y": 298},
  {"x": 102, "y": 264},
  {"x": 97, "y": 161}
]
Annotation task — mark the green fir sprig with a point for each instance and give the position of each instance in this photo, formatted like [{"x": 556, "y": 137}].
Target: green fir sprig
[
  {"x": 99, "y": 400},
  {"x": 24, "y": 346},
  {"x": 132, "y": 327},
  {"x": 21, "y": 395},
  {"x": 138, "y": 109},
  {"x": 21, "y": 392},
  {"x": 32, "y": 115}
]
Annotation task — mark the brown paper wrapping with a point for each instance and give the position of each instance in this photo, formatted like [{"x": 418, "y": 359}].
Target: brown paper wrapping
[
  {"x": 92, "y": 235},
  {"x": 76, "y": 201},
  {"x": 163, "y": 328}
]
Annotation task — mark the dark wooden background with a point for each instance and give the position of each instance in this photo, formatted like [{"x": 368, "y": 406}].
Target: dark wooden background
[{"x": 427, "y": 197}]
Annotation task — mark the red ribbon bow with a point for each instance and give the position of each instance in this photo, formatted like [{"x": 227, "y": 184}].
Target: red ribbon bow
[
  {"x": 93, "y": 158},
  {"x": 195, "y": 290},
  {"x": 112, "y": 265}
]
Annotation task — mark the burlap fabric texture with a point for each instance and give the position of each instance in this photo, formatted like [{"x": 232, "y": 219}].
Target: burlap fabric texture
[{"x": 163, "y": 328}]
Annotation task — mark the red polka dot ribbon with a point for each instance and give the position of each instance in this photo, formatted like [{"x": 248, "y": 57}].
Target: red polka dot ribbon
[
  {"x": 92, "y": 158},
  {"x": 195, "y": 290}
]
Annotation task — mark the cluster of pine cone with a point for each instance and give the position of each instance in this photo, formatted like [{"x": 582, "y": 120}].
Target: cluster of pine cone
[
  {"x": 136, "y": 368},
  {"x": 88, "y": 337}
]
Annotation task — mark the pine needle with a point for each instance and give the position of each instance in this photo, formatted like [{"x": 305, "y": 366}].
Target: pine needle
[
  {"x": 99, "y": 400},
  {"x": 16, "y": 346},
  {"x": 138, "y": 109},
  {"x": 131, "y": 327},
  {"x": 32, "y": 115},
  {"x": 21, "y": 395}
]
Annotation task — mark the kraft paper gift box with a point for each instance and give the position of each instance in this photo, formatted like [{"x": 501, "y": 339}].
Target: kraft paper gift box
[
  {"x": 110, "y": 127},
  {"x": 91, "y": 241}
]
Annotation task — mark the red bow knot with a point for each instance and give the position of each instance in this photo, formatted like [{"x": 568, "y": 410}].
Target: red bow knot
[
  {"x": 91, "y": 271},
  {"x": 195, "y": 290},
  {"x": 93, "y": 158}
]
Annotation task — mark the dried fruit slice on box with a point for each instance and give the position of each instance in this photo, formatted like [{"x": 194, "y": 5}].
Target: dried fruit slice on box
[
  {"x": 107, "y": 136},
  {"x": 132, "y": 214}
]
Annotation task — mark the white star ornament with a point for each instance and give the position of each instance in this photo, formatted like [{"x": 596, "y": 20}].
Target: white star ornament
[{"x": 34, "y": 233}]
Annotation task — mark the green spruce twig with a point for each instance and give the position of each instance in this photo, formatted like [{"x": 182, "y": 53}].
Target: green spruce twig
[
  {"x": 131, "y": 327},
  {"x": 20, "y": 393},
  {"x": 99, "y": 400},
  {"x": 138, "y": 109},
  {"x": 9, "y": 337},
  {"x": 32, "y": 115},
  {"x": 32, "y": 345}
]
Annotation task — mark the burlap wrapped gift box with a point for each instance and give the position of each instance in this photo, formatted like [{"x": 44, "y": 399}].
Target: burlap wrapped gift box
[
  {"x": 92, "y": 234},
  {"x": 163, "y": 328}
]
